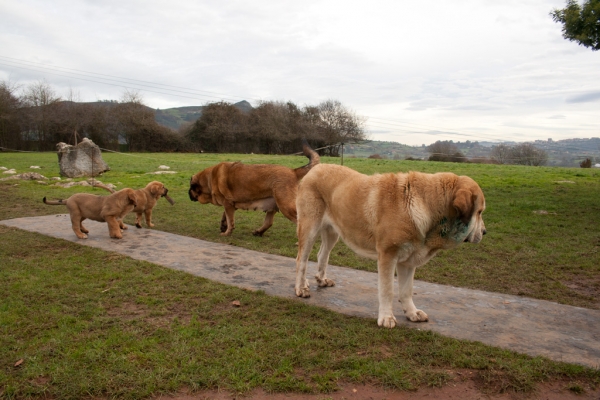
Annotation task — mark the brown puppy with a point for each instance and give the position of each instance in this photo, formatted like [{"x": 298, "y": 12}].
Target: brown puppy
[
  {"x": 147, "y": 198},
  {"x": 265, "y": 187},
  {"x": 401, "y": 220},
  {"x": 109, "y": 209}
]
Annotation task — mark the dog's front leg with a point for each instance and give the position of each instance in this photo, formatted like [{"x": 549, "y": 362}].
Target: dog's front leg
[
  {"x": 229, "y": 214},
  {"x": 114, "y": 230},
  {"x": 385, "y": 274},
  {"x": 148, "y": 215},
  {"x": 406, "y": 275}
]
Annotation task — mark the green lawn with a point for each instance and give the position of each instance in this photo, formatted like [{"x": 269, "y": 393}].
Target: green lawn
[{"x": 89, "y": 323}]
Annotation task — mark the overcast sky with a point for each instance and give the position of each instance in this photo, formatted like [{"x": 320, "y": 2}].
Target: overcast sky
[{"x": 418, "y": 71}]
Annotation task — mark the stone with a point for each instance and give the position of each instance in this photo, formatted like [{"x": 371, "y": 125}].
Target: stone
[{"x": 85, "y": 159}]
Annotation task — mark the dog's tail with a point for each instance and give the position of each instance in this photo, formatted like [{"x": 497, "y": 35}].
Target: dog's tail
[
  {"x": 104, "y": 187},
  {"x": 312, "y": 155},
  {"x": 54, "y": 202}
]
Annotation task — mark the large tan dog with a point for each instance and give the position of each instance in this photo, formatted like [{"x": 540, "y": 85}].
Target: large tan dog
[
  {"x": 147, "y": 198},
  {"x": 401, "y": 220},
  {"x": 109, "y": 209},
  {"x": 259, "y": 187}
]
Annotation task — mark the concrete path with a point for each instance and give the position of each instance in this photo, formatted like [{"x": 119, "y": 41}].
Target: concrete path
[{"x": 534, "y": 327}]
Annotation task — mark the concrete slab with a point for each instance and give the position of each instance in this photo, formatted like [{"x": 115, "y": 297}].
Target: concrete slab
[{"x": 534, "y": 327}]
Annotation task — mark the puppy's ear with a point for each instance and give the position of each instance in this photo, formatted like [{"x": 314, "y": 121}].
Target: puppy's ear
[
  {"x": 132, "y": 198},
  {"x": 464, "y": 202}
]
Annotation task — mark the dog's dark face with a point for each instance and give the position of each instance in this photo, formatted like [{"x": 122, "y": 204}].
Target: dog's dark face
[
  {"x": 195, "y": 190},
  {"x": 469, "y": 202},
  {"x": 200, "y": 188}
]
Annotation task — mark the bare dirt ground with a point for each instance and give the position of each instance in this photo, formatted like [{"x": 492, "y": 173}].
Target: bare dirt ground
[{"x": 460, "y": 390}]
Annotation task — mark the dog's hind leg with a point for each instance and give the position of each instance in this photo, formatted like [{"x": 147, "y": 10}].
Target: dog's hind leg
[
  {"x": 307, "y": 235},
  {"x": 406, "y": 274},
  {"x": 311, "y": 212},
  {"x": 286, "y": 202},
  {"x": 78, "y": 228},
  {"x": 329, "y": 238},
  {"x": 268, "y": 222}
]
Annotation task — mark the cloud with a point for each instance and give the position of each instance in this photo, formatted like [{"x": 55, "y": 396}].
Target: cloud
[{"x": 585, "y": 98}]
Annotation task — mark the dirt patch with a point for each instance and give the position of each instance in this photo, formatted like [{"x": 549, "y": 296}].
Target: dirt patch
[
  {"x": 587, "y": 287},
  {"x": 458, "y": 390}
]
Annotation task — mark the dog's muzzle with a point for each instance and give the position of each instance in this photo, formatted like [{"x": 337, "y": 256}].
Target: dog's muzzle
[{"x": 192, "y": 198}]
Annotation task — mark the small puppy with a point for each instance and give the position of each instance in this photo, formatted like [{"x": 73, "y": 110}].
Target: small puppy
[
  {"x": 147, "y": 198},
  {"x": 109, "y": 209}
]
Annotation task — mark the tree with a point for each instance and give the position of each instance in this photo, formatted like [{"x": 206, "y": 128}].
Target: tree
[
  {"x": 221, "y": 128},
  {"x": 42, "y": 103},
  {"x": 528, "y": 154},
  {"x": 10, "y": 112},
  {"x": 445, "y": 151},
  {"x": 501, "y": 153},
  {"x": 133, "y": 117},
  {"x": 580, "y": 23},
  {"x": 336, "y": 124}
]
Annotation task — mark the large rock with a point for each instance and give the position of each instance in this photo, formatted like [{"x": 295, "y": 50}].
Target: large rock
[{"x": 85, "y": 159}]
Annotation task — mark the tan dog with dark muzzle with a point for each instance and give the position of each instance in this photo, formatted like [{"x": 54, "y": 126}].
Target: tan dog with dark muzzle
[
  {"x": 401, "y": 220},
  {"x": 110, "y": 209}
]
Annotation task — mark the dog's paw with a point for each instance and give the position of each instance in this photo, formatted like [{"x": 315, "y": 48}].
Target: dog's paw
[
  {"x": 150, "y": 225},
  {"x": 138, "y": 225},
  {"x": 303, "y": 292},
  {"x": 387, "y": 322},
  {"x": 325, "y": 282},
  {"x": 417, "y": 316},
  {"x": 124, "y": 227},
  {"x": 257, "y": 233},
  {"x": 226, "y": 233},
  {"x": 82, "y": 236}
]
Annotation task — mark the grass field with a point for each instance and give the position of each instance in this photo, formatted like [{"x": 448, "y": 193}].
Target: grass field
[{"x": 158, "y": 330}]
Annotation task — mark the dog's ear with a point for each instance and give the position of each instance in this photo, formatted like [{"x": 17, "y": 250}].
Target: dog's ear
[
  {"x": 132, "y": 198},
  {"x": 464, "y": 202}
]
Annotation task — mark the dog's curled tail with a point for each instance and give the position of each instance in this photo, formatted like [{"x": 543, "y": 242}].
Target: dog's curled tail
[
  {"x": 313, "y": 157},
  {"x": 54, "y": 202},
  {"x": 104, "y": 187}
]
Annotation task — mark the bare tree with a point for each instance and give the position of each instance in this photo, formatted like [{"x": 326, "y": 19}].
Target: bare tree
[
  {"x": 528, "y": 154},
  {"x": 41, "y": 100},
  {"x": 337, "y": 124},
  {"x": 133, "y": 117},
  {"x": 501, "y": 153}
]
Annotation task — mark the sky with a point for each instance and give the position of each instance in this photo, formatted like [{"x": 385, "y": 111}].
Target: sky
[{"x": 416, "y": 71}]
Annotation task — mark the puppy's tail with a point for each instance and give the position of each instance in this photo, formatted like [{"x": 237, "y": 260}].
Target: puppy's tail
[
  {"x": 104, "y": 187},
  {"x": 313, "y": 157},
  {"x": 55, "y": 202}
]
